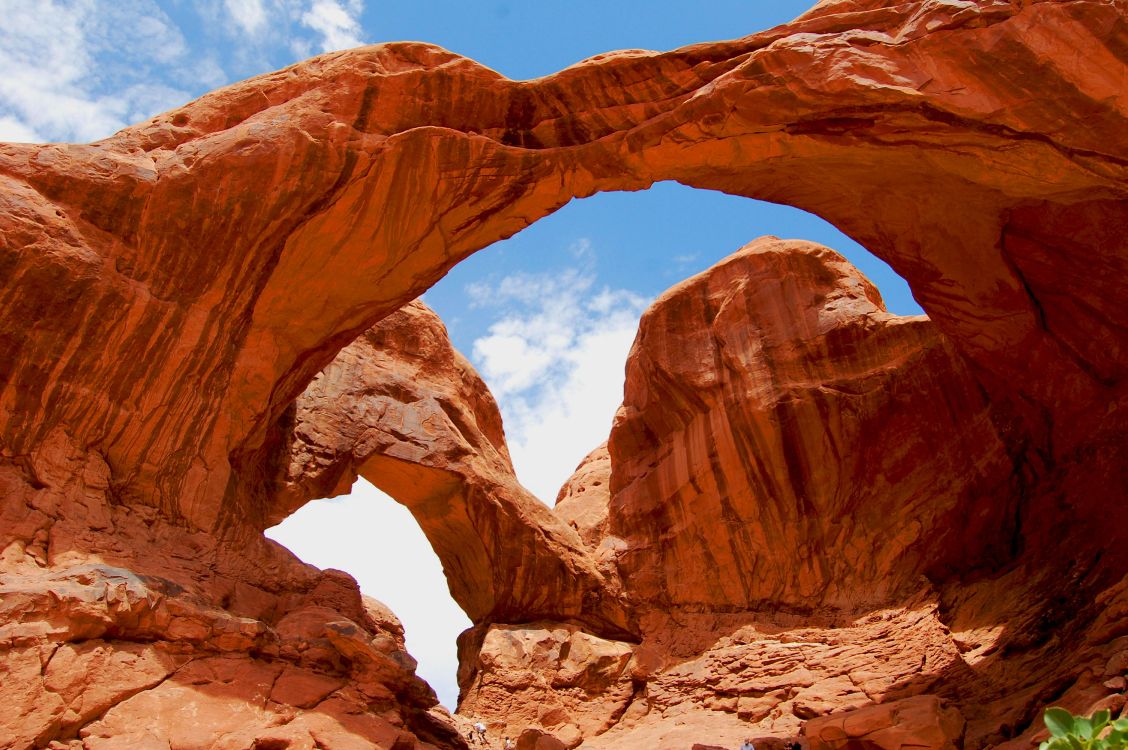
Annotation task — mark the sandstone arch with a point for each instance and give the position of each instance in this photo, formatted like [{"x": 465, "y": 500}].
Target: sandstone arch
[
  {"x": 402, "y": 408},
  {"x": 170, "y": 292},
  {"x": 385, "y": 165}
]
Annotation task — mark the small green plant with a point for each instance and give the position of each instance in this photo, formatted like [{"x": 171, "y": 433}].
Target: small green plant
[{"x": 1069, "y": 732}]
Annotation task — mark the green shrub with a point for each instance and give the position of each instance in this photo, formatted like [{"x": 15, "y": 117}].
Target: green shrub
[{"x": 1069, "y": 732}]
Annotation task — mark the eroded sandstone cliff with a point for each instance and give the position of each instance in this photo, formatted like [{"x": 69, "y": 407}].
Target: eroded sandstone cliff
[
  {"x": 813, "y": 508},
  {"x": 170, "y": 292}
]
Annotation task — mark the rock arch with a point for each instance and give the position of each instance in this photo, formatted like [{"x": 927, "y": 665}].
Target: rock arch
[
  {"x": 169, "y": 292},
  {"x": 252, "y": 233}
]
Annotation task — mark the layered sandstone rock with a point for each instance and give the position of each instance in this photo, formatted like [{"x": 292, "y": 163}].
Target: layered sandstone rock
[
  {"x": 911, "y": 723},
  {"x": 811, "y": 505},
  {"x": 401, "y": 407},
  {"x": 784, "y": 439},
  {"x": 582, "y": 501},
  {"x": 331, "y": 193},
  {"x": 557, "y": 678},
  {"x": 789, "y": 462},
  {"x": 169, "y": 293},
  {"x": 98, "y": 656}
]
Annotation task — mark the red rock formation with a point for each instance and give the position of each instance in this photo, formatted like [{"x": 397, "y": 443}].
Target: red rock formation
[
  {"x": 221, "y": 653},
  {"x": 582, "y": 501},
  {"x": 913, "y": 722},
  {"x": 169, "y": 292},
  {"x": 796, "y": 509},
  {"x": 789, "y": 458},
  {"x": 400, "y": 406},
  {"x": 315, "y": 173},
  {"x": 558, "y": 678},
  {"x": 784, "y": 439}
]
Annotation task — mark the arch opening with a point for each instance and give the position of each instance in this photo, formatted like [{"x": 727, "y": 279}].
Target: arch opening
[{"x": 375, "y": 539}]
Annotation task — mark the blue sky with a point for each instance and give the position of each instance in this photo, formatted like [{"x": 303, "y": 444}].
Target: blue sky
[{"x": 547, "y": 316}]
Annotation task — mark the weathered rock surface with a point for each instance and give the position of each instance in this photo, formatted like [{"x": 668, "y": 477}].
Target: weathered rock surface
[
  {"x": 914, "y": 722},
  {"x": 169, "y": 293},
  {"x": 400, "y": 406},
  {"x": 789, "y": 462},
  {"x": 335, "y": 191},
  {"x": 794, "y": 497},
  {"x": 582, "y": 501},
  {"x": 784, "y": 439},
  {"x": 110, "y": 659},
  {"x": 560, "y": 679}
]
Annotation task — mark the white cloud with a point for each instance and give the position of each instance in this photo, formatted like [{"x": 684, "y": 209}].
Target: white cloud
[
  {"x": 248, "y": 15},
  {"x": 581, "y": 249},
  {"x": 527, "y": 288},
  {"x": 378, "y": 542},
  {"x": 555, "y": 361},
  {"x": 80, "y": 70},
  {"x": 14, "y": 131},
  {"x": 208, "y": 72},
  {"x": 83, "y": 69},
  {"x": 337, "y": 24}
]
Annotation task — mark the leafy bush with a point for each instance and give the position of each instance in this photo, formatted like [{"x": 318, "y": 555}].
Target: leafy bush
[{"x": 1069, "y": 732}]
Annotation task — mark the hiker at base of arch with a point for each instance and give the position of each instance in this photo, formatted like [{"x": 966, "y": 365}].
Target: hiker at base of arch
[
  {"x": 480, "y": 728},
  {"x": 748, "y": 745}
]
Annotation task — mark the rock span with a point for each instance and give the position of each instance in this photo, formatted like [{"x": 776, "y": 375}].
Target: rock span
[{"x": 170, "y": 292}]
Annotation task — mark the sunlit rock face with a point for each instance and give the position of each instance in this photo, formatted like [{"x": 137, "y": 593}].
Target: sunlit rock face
[
  {"x": 400, "y": 406},
  {"x": 813, "y": 508},
  {"x": 785, "y": 440},
  {"x": 170, "y": 292}
]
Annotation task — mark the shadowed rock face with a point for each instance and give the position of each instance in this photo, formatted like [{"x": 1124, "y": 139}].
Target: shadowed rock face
[{"x": 168, "y": 294}]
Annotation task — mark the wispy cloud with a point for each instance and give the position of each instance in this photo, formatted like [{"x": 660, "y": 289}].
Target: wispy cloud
[
  {"x": 13, "y": 130},
  {"x": 248, "y": 15},
  {"x": 554, "y": 360},
  {"x": 83, "y": 69},
  {"x": 336, "y": 21},
  {"x": 80, "y": 70}
]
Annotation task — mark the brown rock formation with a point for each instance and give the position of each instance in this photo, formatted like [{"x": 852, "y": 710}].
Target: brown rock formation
[
  {"x": 568, "y": 682},
  {"x": 210, "y": 657},
  {"x": 783, "y": 439},
  {"x": 169, "y": 292},
  {"x": 582, "y": 501},
  {"x": 790, "y": 458}
]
